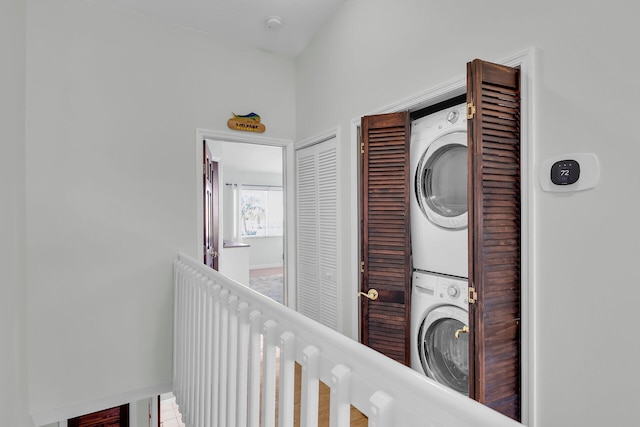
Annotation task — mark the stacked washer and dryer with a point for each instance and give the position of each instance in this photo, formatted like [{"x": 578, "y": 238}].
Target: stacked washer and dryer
[{"x": 439, "y": 303}]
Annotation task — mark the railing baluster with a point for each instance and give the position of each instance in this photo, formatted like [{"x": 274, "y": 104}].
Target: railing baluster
[
  {"x": 184, "y": 323},
  {"x": 181, "y": 395},
  {"x": 243, "y": 364},
  {"x": 340, "y": 404},
  {"x": 190, "y": 396},
  {"x": 287, "y": 380},
  {"x": 232, "y": 357},
  {"x": 255, "y": 356},
  {"x": 381, "y": 410},
  {"x": 222, "y": 355},
  {"x": 215, "y": 350},
  {"x": 208, "y": 351},
  {"x": 269, "y": 374},
  {"x": 177, "y": 272},
  {"x": 309, "y": 393},
  {"x": 200, "y": 347},
  {"x": 177, "y": 328},
  {"x": 182, "y": 341}
]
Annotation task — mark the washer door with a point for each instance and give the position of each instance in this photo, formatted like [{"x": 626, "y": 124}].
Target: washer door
[
  {"x": 441, "y": 181},
  {"x": 444, "y": 357}
]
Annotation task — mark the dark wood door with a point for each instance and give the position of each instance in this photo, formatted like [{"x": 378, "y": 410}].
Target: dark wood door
[
  {"x": 385, "y": 235},
  {"x": 493, "y": 96},
  {"x": 113, "y": 417},
  {"x": 211, "y": 208}
]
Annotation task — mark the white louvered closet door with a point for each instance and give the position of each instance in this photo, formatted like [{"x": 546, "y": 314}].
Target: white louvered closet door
[{"x": 318, "y": 237}]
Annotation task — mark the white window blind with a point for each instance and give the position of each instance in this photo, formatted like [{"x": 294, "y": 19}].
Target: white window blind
[{"x": 261, "y": 211}]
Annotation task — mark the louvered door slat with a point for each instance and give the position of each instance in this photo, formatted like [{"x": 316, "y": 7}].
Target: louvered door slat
[
  {"x": 494, "y": 229},
  {"x": 385, "y": 234}
]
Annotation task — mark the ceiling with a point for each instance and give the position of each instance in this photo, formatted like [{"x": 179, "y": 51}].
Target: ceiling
[{"x": 241, "y": 21}]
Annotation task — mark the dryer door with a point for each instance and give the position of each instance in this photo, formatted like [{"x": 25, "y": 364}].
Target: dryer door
[
  {"x": 444, "y": 357},
  {"x": 441, "y": 181}
]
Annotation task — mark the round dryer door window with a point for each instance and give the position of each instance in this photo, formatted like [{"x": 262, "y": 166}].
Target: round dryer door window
[
  {"x": 444, "y": 357},
  {"x": 441, "y": 181}
]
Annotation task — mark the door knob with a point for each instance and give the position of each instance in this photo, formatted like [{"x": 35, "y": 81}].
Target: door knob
[
  {"x": 214, "y": 254},
  {"x": 372, "y": 294},
  {"x": 464, "y": 330}
]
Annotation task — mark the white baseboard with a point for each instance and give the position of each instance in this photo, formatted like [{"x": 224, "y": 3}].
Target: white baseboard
[{"x": 257, "y": 267}]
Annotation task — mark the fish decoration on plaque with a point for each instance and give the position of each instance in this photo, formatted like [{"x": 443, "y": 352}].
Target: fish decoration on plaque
[{"x": 248, "y": 123}]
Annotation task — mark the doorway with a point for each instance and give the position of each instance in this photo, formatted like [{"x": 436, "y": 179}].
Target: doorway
[
  {"x": 169, "y": 414},
  {"x": 253, "y": 215},
  {"x": 255, "y": 204}
]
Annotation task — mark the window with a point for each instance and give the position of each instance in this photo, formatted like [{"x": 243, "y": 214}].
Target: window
[{"x": 261, "y": 211}]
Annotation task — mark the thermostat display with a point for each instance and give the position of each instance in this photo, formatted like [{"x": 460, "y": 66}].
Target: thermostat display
[{"x": 565, "y": 172}]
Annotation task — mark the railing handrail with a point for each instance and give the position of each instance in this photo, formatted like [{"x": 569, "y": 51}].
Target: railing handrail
[{"x": 378, "y": 386}]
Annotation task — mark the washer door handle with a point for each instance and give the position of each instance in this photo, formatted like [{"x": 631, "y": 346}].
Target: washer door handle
[{"x": 464, "y": 330}]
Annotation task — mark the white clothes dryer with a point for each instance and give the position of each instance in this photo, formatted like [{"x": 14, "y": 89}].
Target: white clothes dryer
[
  {"x": 438, "y": 201},
  {"x": 439, "y": 309}
]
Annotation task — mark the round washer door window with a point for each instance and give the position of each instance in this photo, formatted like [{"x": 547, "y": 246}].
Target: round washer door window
[
  {"x": 444, "y": 357},
  {"x": 441, "y": 181}
]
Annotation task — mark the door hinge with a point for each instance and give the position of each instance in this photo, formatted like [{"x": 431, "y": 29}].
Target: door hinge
[
  {"x": 204, "y": 169},
  {"x": 362, "y": 267},
  {"x": 473, "y": 295},
  {"x": 362, "y": 148},
  {"x": 471, "y": 110}
]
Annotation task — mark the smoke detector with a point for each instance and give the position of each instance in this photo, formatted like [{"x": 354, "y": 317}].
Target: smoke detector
[{"x": 273, "y": 22}]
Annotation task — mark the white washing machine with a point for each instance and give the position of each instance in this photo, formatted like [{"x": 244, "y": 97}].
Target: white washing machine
[
  {"x": 439, "y": 309},
  {"x": 438, "y": 205}
]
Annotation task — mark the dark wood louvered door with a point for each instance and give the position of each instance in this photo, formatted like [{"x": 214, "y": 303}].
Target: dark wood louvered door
[
  {"x": 385, "y": 241},
  {"x": 493, "y": 96},
  {"x": 113, "y": 417},
  {"x": 211, "y": 208}
]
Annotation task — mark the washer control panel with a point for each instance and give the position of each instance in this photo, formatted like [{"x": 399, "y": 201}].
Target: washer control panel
[{"x": 439, "y": 287}]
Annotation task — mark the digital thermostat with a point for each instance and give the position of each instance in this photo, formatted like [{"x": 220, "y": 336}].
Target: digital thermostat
[
  {"x": 570, "y": 172},
  {"x": 565, "y": 172}
]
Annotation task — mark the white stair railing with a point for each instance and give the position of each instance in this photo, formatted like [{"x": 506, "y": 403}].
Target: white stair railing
[{"x": 229, "y": 342}]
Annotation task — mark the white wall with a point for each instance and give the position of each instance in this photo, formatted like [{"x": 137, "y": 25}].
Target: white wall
[
  {"x": 113, "y": 101},
  {"x": 375, "y": 52},
  {"x": 13, "y": 368},
  {"x": 266, "y": 252}
]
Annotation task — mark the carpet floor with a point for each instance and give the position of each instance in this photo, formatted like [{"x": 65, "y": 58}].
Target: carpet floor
[{"x": 270, "y": 285}]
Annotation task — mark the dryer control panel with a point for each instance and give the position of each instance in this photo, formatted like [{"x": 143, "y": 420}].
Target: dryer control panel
[{"x": 452, "y": 290}]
